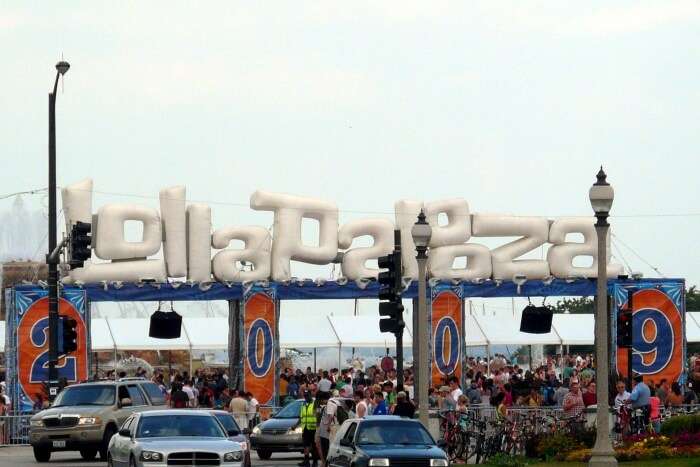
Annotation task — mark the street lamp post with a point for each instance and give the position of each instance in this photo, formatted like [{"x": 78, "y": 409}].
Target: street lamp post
[
  {"x": 421, "y": 233},
  {"x": 601, "y": 195},
  {"x": 53, "y": 257}
]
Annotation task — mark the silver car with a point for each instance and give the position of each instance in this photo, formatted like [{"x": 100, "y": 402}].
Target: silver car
[{"x": 173, "y": 437}]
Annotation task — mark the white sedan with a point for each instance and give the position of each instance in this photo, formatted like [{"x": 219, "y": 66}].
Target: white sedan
[{"x": 173, "y": 437}]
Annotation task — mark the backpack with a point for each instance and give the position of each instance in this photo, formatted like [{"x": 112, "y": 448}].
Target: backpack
[{"x": 341, "y": 413}]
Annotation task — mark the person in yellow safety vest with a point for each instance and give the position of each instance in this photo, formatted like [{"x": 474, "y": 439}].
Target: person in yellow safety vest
[{"x": 307, "y": 420}]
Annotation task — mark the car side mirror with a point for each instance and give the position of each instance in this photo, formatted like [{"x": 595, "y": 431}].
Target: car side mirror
[
  {"x": 233, "y": 432},
  {"x": 125, "y": 402},
  {"x": 441, "y": 443},
  {"x": 125, "y": 433},
  {"x": 246, "y": 431}
]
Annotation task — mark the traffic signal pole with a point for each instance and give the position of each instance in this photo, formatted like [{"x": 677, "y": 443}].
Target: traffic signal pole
[
  {"x": 50, "y": 259},
  {"x": 399, "y": 331}
]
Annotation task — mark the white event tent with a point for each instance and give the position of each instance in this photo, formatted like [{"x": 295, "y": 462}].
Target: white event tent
[{"x": 481, "y": 330}]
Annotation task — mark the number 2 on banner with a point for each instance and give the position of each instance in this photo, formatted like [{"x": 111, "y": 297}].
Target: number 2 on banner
[{"x": 40, "y": 365}]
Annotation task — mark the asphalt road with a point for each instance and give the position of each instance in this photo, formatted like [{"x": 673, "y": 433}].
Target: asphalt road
[{"x": 22, "y": 455}]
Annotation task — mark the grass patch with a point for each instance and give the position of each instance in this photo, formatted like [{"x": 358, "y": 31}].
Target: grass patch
[{"x": 650, "y": 463}]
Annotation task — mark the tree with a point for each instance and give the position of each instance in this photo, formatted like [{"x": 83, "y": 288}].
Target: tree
[
  {"x": 576, "y": 305},
  {"x": 692, "y": 299}
]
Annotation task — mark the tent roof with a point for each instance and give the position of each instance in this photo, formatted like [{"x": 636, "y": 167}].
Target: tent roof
[
  {"x": 500, "y": 330},
  {"x": 295, "y": 333},
  {"x": 100, "y": 335},
  {"x": 473, "y": 333},
  {"x": 574, "y": 329},
  {"x": 363, "y": 331},
  {"x": 132, "y": 334},
  {"x": 207, "y": 333},
  {"x": 692, "y": 326}
]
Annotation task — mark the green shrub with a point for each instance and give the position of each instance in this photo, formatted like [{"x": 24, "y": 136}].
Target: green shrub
[
  {"x": 681, "y": 424},
  {"x": 557, "y": 446},
  {"x": 505, "y": 460}
]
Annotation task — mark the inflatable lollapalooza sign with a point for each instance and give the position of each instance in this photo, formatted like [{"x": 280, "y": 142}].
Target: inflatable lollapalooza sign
[{"x": 185, "y": 232}]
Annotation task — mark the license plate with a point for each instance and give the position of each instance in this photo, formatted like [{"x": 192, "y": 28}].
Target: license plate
[{"x": 59, "y": 444}]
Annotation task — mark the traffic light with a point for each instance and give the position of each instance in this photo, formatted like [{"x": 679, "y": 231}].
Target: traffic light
[
  {"x": 67, "y": 335},
  {"x": 390, "y": 288},
  {"x": 624, "y": 329},
  {"x": 80, "y": 240}
]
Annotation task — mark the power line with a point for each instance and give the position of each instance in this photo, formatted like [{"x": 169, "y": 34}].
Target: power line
[
  {"x": 28, "y": 192},
  {"x": 349, "y": 211},
  {"x": 654, "y": 268}
]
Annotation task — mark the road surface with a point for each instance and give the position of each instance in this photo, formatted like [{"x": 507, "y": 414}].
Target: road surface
[{"x": 22, "y": 456}]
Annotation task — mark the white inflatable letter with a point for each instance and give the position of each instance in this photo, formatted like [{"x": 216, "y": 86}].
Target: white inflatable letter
[
  {"x": 111, "y": 243},
  {"x": 381, "y": 231},
  {"x": 287, "y": 244},
  {"x": 256, "y": 250},
  {"x": 172, "y": 210},
  {"x": 406, "y": 212},
  {"x": 199, "y": 243},
  {"x": 562, "y": 253},
  {"x": 77, "y": 203},
  {"x": 534, "y": 232}
]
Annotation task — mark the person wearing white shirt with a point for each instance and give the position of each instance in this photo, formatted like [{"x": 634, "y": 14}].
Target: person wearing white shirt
[
  {"x": 622, "y": 395},
  {"x": 455, "y": 390}
]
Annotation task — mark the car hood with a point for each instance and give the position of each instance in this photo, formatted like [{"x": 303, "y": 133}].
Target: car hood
[
  {"x": 188, "y": 443},
  {"x": 401, "y": 450},
  {"x": 279, "y": 424},
  {"x": 83, "y": 410}
]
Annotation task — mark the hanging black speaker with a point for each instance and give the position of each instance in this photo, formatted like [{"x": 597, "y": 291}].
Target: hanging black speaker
[
  {"x": 165, "y": 325},
  {"x": 536, "y": 320}
]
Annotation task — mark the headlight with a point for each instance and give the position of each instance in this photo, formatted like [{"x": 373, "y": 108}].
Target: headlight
[
  {"x": 89, "y": 421},
  {"x": 151, "y": 456},
  {"x": 36, "y": 423},
  {"x": 438, "y": 463},
  {"x": 233, "y": 456},
  {"x": 256, "y": 430},
  {"x": 378, "y": 462},
  {"x": 296, "y": 431}
]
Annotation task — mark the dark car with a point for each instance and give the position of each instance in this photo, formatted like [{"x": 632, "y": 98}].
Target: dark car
[
  {"x": 229, "y": 423},
  {"x": 281, "y": 433},
  {"x": 385, "y": 440}
]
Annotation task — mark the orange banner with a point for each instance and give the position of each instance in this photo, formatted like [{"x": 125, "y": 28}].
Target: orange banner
[
  {"x": 657, "y": 338},
  {"x": 446, "y": 337},
  {"x": 33, "y": 349},
  {"x": 259, "y": 345}
]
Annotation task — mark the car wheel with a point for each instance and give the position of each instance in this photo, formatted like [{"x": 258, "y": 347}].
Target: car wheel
[
  {"x": 264, "y": 454},
  {"x": 104, "y": 448},
  {"x": 88, "y": 454},
  {"x": 42, "y": 454}
]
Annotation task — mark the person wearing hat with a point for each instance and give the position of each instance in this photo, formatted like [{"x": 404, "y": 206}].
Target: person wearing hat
[
  {"x": 307, "y": 420},
  {"x": 639, "y": 398}
]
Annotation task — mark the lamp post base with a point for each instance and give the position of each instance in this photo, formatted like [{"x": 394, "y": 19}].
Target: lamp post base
[{"x": 602, "y": 459}]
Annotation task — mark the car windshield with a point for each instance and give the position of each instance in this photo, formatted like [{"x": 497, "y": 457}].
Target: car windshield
[
  {"x": 290, "y": 411},
  {"x": 161, "y": 426},
  {"x": 85, "y": 395},
  {"x": 228, "y": 422},
  {"x": 393, "y": 432}
]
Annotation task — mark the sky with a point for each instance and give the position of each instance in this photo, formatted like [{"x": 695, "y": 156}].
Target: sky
[{"x": 511, "y": 105}]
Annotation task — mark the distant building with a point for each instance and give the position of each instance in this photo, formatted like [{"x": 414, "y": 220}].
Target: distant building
[{"x": 14, "y": 272}]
